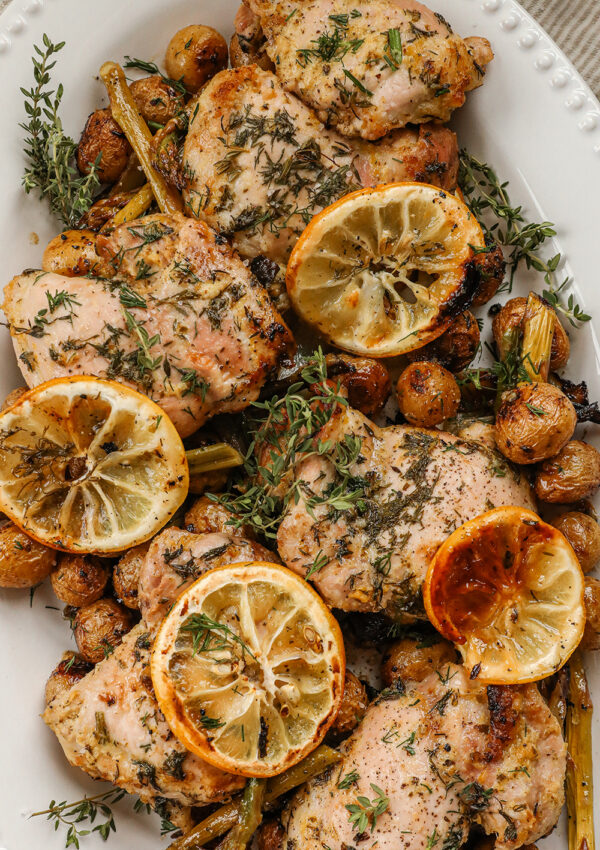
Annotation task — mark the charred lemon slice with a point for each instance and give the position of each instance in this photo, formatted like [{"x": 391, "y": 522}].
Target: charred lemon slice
[
  {"x": 383, "y": 271},
  {"x": 88, "y": 465},
  {"x": 507, "y": 588},
  {"x": 248, "y": 668}
]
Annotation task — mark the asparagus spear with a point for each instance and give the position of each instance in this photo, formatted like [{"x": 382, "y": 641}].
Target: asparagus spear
[{"x": 580, "y": 788}]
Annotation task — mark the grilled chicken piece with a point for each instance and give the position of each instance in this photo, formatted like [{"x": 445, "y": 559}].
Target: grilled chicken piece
[
  {"x": 258, "y": 164},
  {"x": 109, "y": 724},
  {"x": 182, "y": 320},
  {"x": 177, "y": 558},
  {"x": 419, "y": 486},
  {"x": 445, "y": 752},
  {"x": 369, "y": 69}
]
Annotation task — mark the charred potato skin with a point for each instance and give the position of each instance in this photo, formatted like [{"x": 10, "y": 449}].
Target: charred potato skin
[
  {"x": 591, "y": 598},
  {"x": 405, "y": 659},
  {"x": 573, "y": 474},
  {"x": 73, "y": 254},
  {"x": 100, "y": 627},
  {"x": 155, "y": 99},
  {"x": 492, "y": 268},
  {"x": 534, "y": 422},
  {"x": 456, "y": 347},
  {"x": 507, "y": 327},
  {"x": 195, "y": 54},
  {"x": 367, "y": 382},
  {"x": 79, "y": 580},
  {"x": 103, "y": 136},
  {"x": 270, "y": 836},
  {"x": 583, "y": 533},
  {"x": 23, "y": 561},
  {"x": 427, "y": 394},
  {"x": 71, "y": 669},
  {"x": 126, "y": 575},
  {"x": 352, "y": 708}
]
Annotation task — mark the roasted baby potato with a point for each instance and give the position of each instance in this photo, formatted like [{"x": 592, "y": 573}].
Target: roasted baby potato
[
  {"x": 194, "y": 55},
  {"x": 492, "y": 267},
  {"x": 583, "y": 533},
  {"x": 103, "y": 137},
  {"x": 208, "y": 517},
  {"x": 79, "y": 580},
  {"x": 366, "y": 381},
  {"x": 456, "y": 347},
  {"x": 13, "y": 397},
  {"x": 427, "y": 394},
  {"x": 507, "y": 327},
  {"x": 70, "y": 670},
  {"x": 534, "y": 422},
  {"x": 126, "y": 574},
  {"x": 214, "y": 481},
  {"x": 155, "y": 99},
  {"x": 573, "y": 474},
  {"x": 73, "y": 253},
  {"x": 353, "y": 706},
  {"x": 23, "y": 561},
  {"x": 406, "y": 659},
  {"x": 99, "y": 214},
  {"x": 591, "y": 597},
  {"x": 270, "y": 836},
  {"x": 100, "y": 627}
]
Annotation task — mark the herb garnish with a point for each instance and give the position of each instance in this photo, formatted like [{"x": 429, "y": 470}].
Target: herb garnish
[
  {"x": 50, "y": 152},
  {"x": 87, "y": 809},
  {"x": 350, "y": 779},
  {"x": 211, "y": 636},
  {"x": 152, "y": 68},
  {"x": 365, "y": 811},
  {"x": 485, "y": 193}
]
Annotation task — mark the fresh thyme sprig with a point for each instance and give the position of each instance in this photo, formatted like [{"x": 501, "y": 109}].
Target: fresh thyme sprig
[
  {"x": 365, "y": 811},
  {"x": 283, "y": 433},
  {"x": 50, "y": 152},
  {"x": 152, "y": 68},
  {"x": 81, "y": 811},
  {"x": 486, "y": 195}
]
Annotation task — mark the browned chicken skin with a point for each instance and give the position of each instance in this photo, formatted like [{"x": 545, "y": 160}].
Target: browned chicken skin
[{"x": 258, "y": 164}]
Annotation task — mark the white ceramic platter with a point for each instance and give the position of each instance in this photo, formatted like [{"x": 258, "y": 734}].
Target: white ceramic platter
[{"x": 534, "y": 120}]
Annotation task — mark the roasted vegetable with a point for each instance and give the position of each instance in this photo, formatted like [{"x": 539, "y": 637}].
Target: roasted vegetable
[
  {"x": 353, "y": 706},
  {"x": 79, "y": 580},
  {"x": 194, "y": 55},
  {"x": 580, "y": 777},
  {"x": 135, "y": 208},
  {"x": 583, "y": 533},
  {"x": 569, "y": 475},
  {"x": 249, "y": 816},
  {"x": 591, "y": 596},
  {"x": 427, "y": 394},
  {"x": 126, "y": 574},
  {"x": 407, "y": 659},
  {"x": 456, "y": 347},
  {"x": 212, "y": 460},
  {"x": 225, "y": 817},
  {"x": 492, "y": 267},
  {"x": 534, "y": 422},
  {"x": 73, "y": 253},
  {"x": 103, "y": 141},
  {"x": 23, "y": 561},
  {"x": 156, "y": 100},
  {"x": 366, "y": 381},
  {"x": 100, "y": 627},
  {"x": 538, "y": 331},
  {"x": 127, "y": 116},
  {"x": 208, "y": 517},
  {"x": 507, "y": 328}
]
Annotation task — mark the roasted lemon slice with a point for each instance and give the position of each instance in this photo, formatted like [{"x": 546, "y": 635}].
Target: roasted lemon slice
[
  {"x": 248, "y": 668},
  {"x": 383, "y": 271},
  {"x": 88, "y": 465},
  {"x": 507, "y": 588}
]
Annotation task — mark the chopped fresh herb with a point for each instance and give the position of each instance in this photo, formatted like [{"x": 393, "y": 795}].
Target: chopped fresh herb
[
  {"x": 360, "y": 86},
  {"x": 394, "y": 46},
  {"x": 347, "y": 781},
  {"x": 537, "y": 411},
  {"x": 209, "y": 635},
  {"x": 321, "y": 560},
  {"x": 129, "y": 298}
]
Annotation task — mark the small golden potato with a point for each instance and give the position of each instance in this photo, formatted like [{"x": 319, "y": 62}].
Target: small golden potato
[
  {"x": 492, "y": 268},
  {"x": 427, "y": 394},
  {"x": 13, "y": 397},
  {"x": 100, "y": 627},
  {"x": 102, "y": 135},
  {"x": 243, "y": 51},
  {"x": 23, "y": 562},
  {"x": 270, "y": 836},
  {"x": 79, "y": 580},
  {"x": 208, "y": 517},
  {"x": 456, "y": 347},
  {"x": 573, "y": 474},
  {"x": 591, "y": 598},
  {"x": 155, "y": 99},
  {"x": 366, "y": 381},
  {"x": 583, "y": 533},
  {"x": 212, "y": 481},
  {"x": 126, "y": 575},
  {"x": 406, "y": 659},
  {"x": 70, "y": 670},
  {"x": 353, "y": 706},
  {"x": 73, "y": 254},
  {"x": 534, "y": 422},
  {"x": 194, "y": 55},
  {"x": 97, "y": 216},
  {"x": 507, "y": 327}
]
